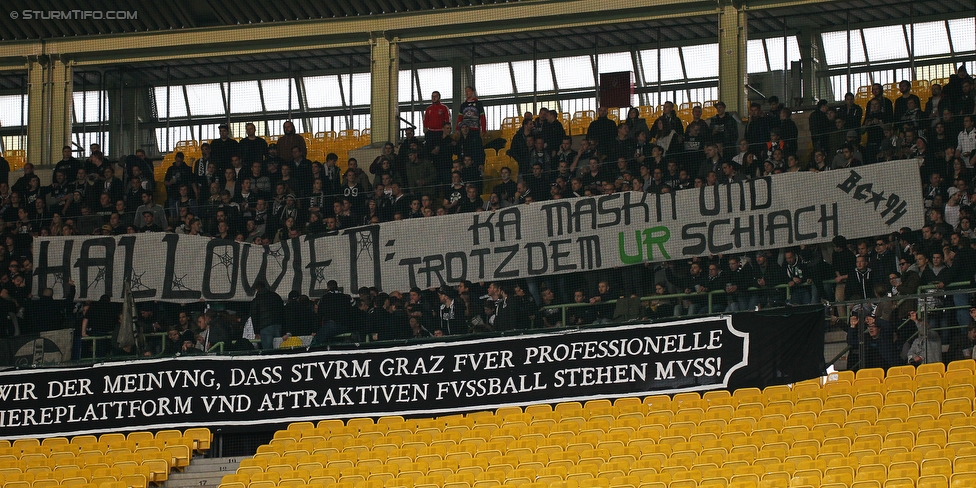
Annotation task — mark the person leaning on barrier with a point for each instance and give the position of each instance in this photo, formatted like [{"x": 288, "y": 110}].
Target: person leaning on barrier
[
  {"x": 879, "y": 347},
  {"x": 927, "y": 346}
]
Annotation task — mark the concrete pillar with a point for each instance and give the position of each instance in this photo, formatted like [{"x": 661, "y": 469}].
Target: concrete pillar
[
  {"x": 385, "y": 75},
  {"x": 49, "y": 106},
  {"x": 732, "y": 72},
  {"x": 462, "y": 77}
]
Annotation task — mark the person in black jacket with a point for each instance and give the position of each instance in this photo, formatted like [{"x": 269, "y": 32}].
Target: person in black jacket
[
  {"x": 879, "y": 346},
  {"x": 452, "y": 312},
  {"x": 860, "y": 283},
  {"x": 267, "y": 311},
  {"x": 767, "y": 275},
  {"x": 300, "y": 318},
  {"x": 602, "y": 129},
  {"x": 737, "y": 281},
  {"x": 46, "y": 313}
]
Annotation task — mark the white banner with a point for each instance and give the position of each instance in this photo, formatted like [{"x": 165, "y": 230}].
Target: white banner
[{"x": 551, "y": 237}]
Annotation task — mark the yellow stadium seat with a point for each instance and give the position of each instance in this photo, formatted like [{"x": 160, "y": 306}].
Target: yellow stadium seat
[
  {"x": 962, "y": 480},
  {"x": 899, "y": 483},
  {"x": 931, "y": 368},
  {"x": 934, "y": 481}
]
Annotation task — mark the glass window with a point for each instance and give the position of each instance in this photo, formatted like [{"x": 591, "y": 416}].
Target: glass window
[
  {"x": 439, "y": 79},
  {"x": 276, "y": 125},
  {"x": 524, "y": 80},
  {"x": 614, "y": 62},
  {"x": 361, "y": 121},
  {"x": 931, "y": 38},
  {"x": 405, "y": 87},
  {"x": 885, "y": 43},
  {"x": 245, "y": 97},
  {"x": 279, "y": 93},
  {"x": 13, "y": 143},
  {"x": 835, "y": 47},
  {"x": 86, "y": 108},
  {"x": 493, "y": 79},
  {"x": 573, "y": 72},
  {"x": 360, "y": 93},
  {"x": 206, "y": 99},
  {"x": 963, "y": 35},
  {"x": 415, "y": 119},
  {"x": 671, "y": 65},
  {"x": 934, "y": 71},
  {"x": 701, "y": 61},
  {"x": 86, "y": 139},
  {"x": 208, "y": 132},
  {"x": 177, "y": 104},
  {"x": 495, "y": 114},
  {"x": 13, "y": 110},
  {"x": 321, "y": 91},
  {"x": 578, "y": 105},
  {"x": 166, "y": 139},
  {"x": 648, "y": 59},
  {"x": 774, "y": 47},
  {"x": 756, "y": 56}
]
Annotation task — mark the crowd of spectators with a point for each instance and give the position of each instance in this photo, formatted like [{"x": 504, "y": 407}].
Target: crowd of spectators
[{"x": 252, "y": 191}]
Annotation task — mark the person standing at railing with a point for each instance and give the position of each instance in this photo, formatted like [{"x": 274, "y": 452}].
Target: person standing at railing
[
  {"x": 860, "y": 283},
  {"x": 927, "y": 346},
  {"x": 692, "y": 283},
  {"x": 799, "y": 281},
  {"x": 767, "y": 275},
  {"x": 879, "y": 346},
  {"x": 737, "y": 280}
]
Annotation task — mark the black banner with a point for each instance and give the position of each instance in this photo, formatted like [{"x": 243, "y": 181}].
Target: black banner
[{"x": 423, "y": 379}]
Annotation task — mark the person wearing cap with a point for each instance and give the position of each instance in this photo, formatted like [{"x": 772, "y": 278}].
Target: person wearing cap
[
  {"x": 878, "y": 342},
  {"x": 452, "y": 311},
  {"x": 273, "y": 156},
  {"x": 222, "y": 148}
]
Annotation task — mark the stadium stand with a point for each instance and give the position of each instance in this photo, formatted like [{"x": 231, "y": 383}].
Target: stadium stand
[
  {"x": 135, "y": 460},
  {"x": 874, "y": 428}
]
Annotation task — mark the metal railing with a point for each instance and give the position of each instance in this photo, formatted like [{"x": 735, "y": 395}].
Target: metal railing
[
  {"x": 95, "y": 341},
  {"x": 709, "y": 296}
]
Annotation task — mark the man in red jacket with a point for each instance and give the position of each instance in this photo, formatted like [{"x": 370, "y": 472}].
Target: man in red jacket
[{"x": 436, "y": 115}]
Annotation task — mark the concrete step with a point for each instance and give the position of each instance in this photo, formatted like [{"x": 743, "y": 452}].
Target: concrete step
[
  {"x": 203, "y": 472},
  {"x": 213, "y": 480}
]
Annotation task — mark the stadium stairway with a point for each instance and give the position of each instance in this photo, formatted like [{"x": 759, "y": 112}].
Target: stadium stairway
[
  {"x": 835, "y": 342},
  {"x": 203, "y": 472}
]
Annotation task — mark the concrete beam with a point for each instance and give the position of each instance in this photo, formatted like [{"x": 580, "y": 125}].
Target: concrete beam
[{"x": 277, "y": 37}]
